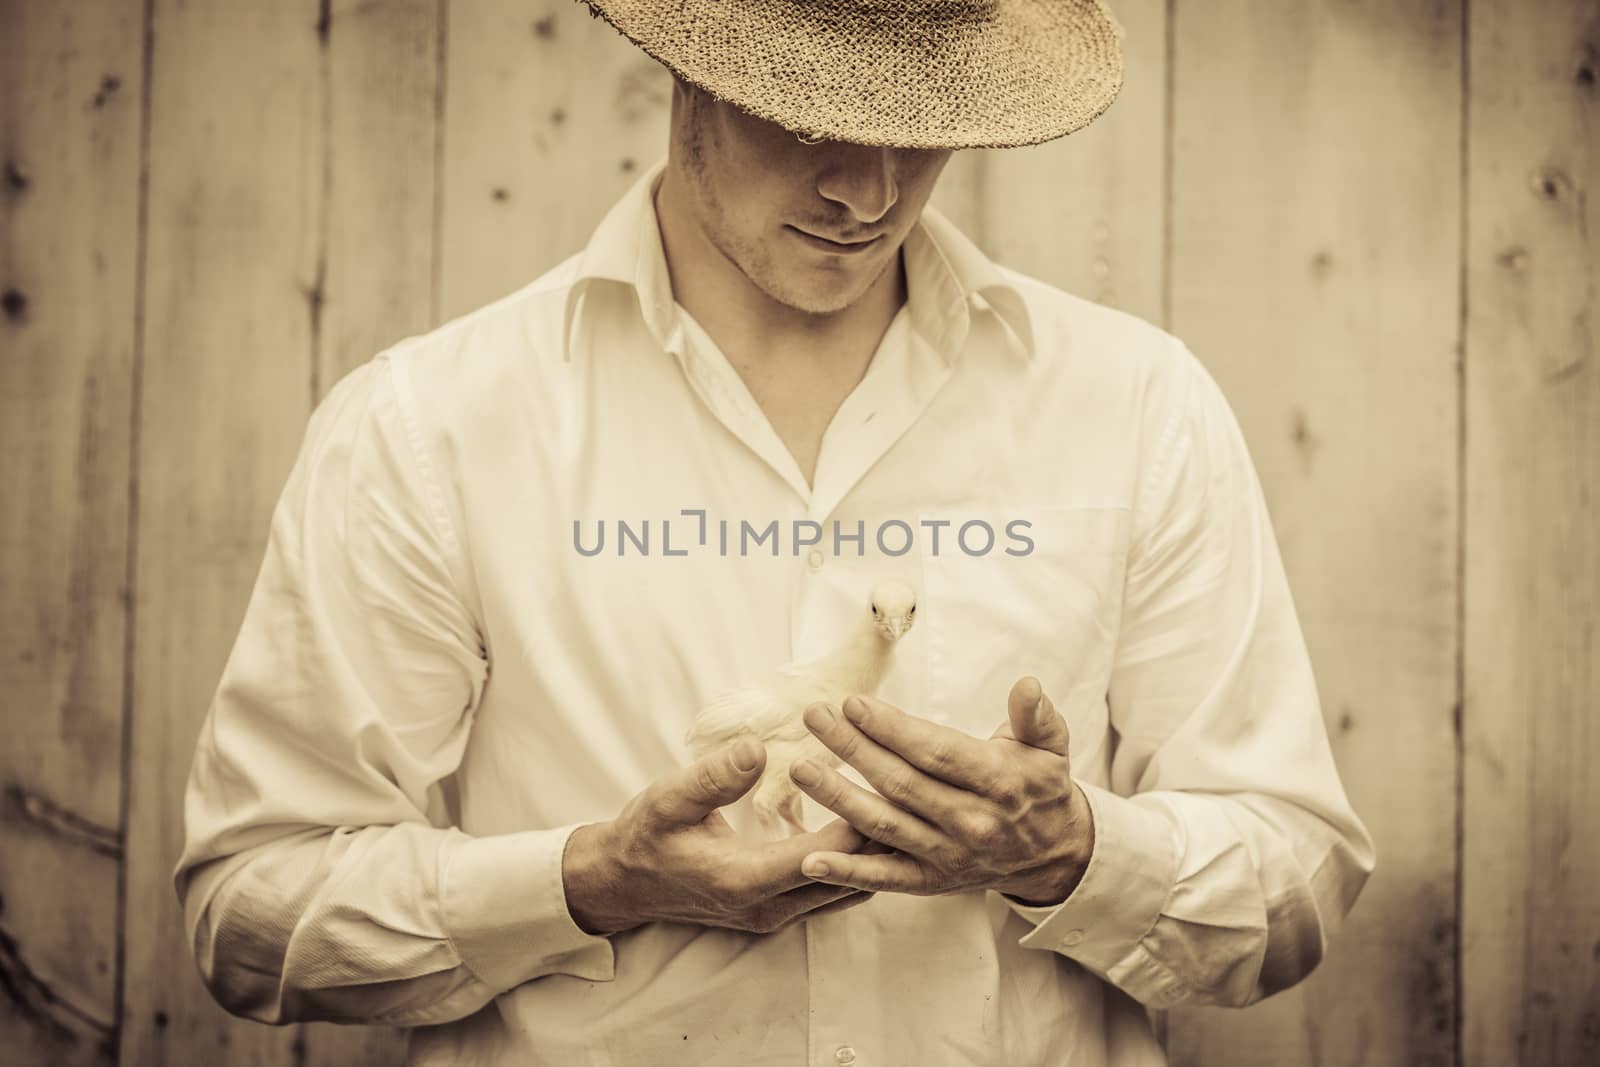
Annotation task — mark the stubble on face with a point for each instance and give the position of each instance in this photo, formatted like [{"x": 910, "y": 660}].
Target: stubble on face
[{"x": 724, "y": 151}]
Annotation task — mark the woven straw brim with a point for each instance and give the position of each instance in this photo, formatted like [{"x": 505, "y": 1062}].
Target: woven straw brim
[{"x": 903, "y": 73}]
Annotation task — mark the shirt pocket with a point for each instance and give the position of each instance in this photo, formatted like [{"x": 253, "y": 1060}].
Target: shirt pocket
[{"x": 1045, "y": 599}]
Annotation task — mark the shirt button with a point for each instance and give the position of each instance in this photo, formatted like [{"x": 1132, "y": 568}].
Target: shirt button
[
  {"x": 1071, "y": 938},
  {"x": 845, "y": 1056},
  {"x": 814, "y": 559}
]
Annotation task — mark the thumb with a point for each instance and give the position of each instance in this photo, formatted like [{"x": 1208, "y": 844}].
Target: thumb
[
  {"x": 1033, "y": 718},
  {"x": 689, "y": 795}
]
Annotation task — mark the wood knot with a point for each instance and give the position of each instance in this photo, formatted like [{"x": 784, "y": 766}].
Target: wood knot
[
  {"x": 1551, "y": 183},
  {"x": 1514, "y": 258},
  {"x": 1305, "y": 442},
  {"x": 14, "y": 302},
  {"x": 108, "y": 85}
]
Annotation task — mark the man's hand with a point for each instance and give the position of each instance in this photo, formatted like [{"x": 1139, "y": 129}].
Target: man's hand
[
  {"x": 670, "y": 856},
  {"x": 1000, "y": 814}
]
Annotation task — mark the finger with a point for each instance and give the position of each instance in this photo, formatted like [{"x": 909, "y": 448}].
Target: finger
[
  {"x": 688, "y": 795},
  {"x": 868, "y": 812},
  {"x": 877, "y": 874},
  {"x": 774, "y": 866},
  {"x": 1034, "y": 719},
  {"x": 856, "y": 841},
  {"x": 896, "y": 780},
  {"x": 948, "y": 754}
]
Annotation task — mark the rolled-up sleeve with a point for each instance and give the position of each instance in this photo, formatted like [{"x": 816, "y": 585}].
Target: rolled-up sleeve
[
  {"x": 320, "y": 876},
  {"x": 1226, "y": 853}
]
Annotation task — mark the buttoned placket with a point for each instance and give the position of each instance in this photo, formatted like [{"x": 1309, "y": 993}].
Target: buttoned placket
[{"x": 901, "y": 380}]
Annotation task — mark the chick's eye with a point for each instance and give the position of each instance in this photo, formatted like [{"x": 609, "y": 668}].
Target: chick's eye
[
  {"x": 912, "y": 612},
  {"x": 874, "y": 609}
]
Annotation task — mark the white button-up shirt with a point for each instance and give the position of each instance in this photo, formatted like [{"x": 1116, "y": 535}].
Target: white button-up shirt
[{"x": 439, "y": 677}]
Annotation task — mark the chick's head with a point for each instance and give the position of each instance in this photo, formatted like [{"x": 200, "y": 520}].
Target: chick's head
[{"x": 894, "y": 608}]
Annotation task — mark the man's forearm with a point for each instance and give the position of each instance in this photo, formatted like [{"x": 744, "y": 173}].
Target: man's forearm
[{"x": 271, "y": 929}]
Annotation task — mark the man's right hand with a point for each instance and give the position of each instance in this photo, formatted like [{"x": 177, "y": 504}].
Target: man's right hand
[{"x": 670, "y": 856}]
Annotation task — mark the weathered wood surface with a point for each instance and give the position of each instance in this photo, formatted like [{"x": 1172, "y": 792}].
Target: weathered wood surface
[
  {"x": 290, "y": 237},
  {"x": 550, "y": 115},
  {"x": 1088, "y": 212},
  {"x": 69, "y": 196},
  {"x": 1315, "y": 258},
  {"x": 1531, "y": 910}
]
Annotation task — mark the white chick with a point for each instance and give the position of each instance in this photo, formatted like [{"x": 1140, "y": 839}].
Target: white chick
[{"x": 773, "y": 711}]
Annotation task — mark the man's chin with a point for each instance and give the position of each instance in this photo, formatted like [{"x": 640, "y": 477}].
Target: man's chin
[{"x": 821, "y": 301}]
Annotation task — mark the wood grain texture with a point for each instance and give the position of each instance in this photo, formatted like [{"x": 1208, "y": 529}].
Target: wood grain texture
[
  {"x": 550, "y": 116},
  {"x": 379, "y": 74},
  {"x": 233, "y": 225},
  {"x": 380, "y": 70},
  {"x": 69, "y": 179},
  {"x": 1531, "y": 912},
  {"x": 1087, "y": 212},
  {"x": 290, "y": 207},
  {"x": 1315, "y": 254}
]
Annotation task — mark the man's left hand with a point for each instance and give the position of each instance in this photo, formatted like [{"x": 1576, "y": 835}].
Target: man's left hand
[{"x": 960, "y": 813}]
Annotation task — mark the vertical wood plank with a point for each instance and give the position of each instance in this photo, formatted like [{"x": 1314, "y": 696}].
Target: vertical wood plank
[
  {"x": 550, "y": 116},
  {"x": 380, "y": 69},
  {"x": 233, "y": 224},
  {"x": 1087, "y": 212},
  {"x": 69, "y": 175},
  {"x": 1531, "y": 914},
  {"x": 1315, "y": 260},
  {"x": 290, "y": 208},
  {"x": 374, "y": 281}
]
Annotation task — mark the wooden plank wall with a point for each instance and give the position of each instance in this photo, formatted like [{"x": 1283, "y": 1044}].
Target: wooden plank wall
[
  {"x": 1369, "y": 218},
  {"x": 1315, "y": 256},
  {"x": 69, "y": 207},
  {"x": 1531, "y": 951}
]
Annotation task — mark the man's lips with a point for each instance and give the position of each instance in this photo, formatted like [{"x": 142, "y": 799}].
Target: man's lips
[{"x": 829, "y": 245}]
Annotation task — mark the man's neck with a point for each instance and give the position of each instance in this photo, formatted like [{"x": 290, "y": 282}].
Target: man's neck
[{"x": 797, "y": 367}]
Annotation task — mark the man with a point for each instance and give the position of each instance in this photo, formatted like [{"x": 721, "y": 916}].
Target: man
[{"x": 443, "y": 783}]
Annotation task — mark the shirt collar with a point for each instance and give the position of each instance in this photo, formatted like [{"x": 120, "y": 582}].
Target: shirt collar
[{"x": 947, "y": 276}]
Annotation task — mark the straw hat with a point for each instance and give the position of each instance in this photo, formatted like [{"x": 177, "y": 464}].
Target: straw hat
[{"x": 906, "y": 73}]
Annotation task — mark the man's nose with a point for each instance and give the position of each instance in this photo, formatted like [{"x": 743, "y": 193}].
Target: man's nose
[{"x": 861, "y": 178}]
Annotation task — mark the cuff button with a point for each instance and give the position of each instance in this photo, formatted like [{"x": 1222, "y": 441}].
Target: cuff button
[{"x": 1072, "y": 937}]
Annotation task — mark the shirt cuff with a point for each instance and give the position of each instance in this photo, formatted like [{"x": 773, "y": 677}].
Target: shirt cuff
[
  {"x": 504, "y": 905},
  {"x": 1130, "y": 874}
]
